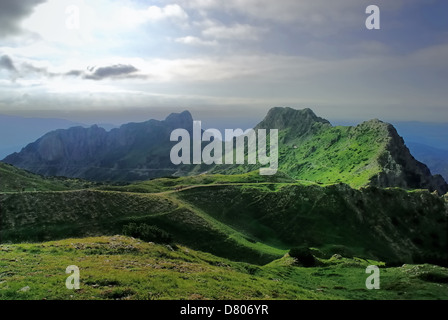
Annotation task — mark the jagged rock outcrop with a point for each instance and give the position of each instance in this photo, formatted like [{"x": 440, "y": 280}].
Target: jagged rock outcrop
[{"x": 400, "y": 168}]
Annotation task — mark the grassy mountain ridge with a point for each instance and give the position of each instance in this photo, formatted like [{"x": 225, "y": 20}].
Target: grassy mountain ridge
[
  {"x": 41, "y": 216},
  {"x": 13, "y": 179},
  {"x": 253, "y": 221},
  {"x": 382, "y": 224}
]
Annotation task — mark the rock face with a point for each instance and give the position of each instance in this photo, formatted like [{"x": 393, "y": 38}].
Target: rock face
[
  {"x": 135, "y": 151},
  {"x": 400, "y": 168}
]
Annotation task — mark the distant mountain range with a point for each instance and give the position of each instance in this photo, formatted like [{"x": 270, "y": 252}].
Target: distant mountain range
[
  {"x": 135, "y": 151},
  {"x": 431, "y": 134},
  {"x": 436, "y": 159},
  {"x": 310, "y": 148},
  {"x": 428, "y": 143},
  {"x": 17, "y": 132}
]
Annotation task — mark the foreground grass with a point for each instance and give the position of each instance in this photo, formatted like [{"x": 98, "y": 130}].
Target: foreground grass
[{"x": 125, "y": 268}]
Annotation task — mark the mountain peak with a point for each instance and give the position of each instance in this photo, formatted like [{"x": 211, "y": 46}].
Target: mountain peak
[
  {"x": 383, "y": 129},
  {"x": 376, "y": 123},
  {"x": 283, "y": 117},
  {"x": 180, "y": 120},
  {"x": 299, "y": 122}
]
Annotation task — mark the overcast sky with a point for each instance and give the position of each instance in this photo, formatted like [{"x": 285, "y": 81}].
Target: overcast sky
[{"x": 133, "y": 59}]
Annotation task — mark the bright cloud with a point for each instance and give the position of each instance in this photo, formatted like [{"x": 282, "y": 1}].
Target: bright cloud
[
  {"x": 234, "y": 32},
  {"x": 191, "y": 40},
  {"x": 167, "y": 12}
]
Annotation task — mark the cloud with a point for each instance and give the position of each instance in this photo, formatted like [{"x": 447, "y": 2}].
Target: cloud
[
  {"x": 132, "y": 16},
  {"x": 23, "y": 69},
  {"x": 190, "y": 40},
  {"x": 214, "y": 33},
  {"x": 7, "y": 63},
  {"x": 234, "y": 32},
  {"x": 28, "y": 68},
  {"x": 12, "y": 12},
  {"x": 74, "y": 73},
  {"x": 316, "y": 17},
  {"x": 115, "y": 71},
  {"x": 315, "y": 52},
  {"x": 169, "y": 11}
]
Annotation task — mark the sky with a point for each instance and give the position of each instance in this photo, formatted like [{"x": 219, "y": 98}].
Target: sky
[{"x": 111, "y": 61}]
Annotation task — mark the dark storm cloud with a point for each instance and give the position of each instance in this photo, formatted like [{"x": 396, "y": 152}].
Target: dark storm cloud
[
  {"x": 7, "y": 63},
  {"x": 115, "y": 71},
  {"x": 12, "y": 12}
]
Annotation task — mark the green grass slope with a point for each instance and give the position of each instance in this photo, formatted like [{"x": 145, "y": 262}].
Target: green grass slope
[
  {"x": 13, "y": 179},
  {"x": 390, "y": 224},
  {"x": 243, "y": 221},
  {"x": 124, "y": 268},
  {"x": 40, "y": 216}
]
